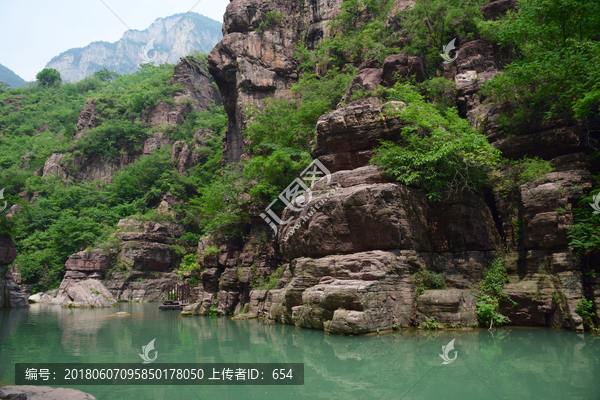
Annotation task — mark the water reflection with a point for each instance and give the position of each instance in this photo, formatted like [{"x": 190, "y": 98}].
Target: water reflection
[{"x": 511, "y": 363}]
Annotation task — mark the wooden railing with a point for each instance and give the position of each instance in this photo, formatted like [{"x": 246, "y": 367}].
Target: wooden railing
[{"x": 179, "y": 292}]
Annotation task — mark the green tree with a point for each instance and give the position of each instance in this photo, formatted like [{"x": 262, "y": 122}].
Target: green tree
[
  {"x": 558, "y": 51},
  {"x": 106, "y": 75},
  {"x": 48, "y": 77}
]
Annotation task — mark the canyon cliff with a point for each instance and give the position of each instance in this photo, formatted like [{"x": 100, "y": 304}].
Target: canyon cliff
[{"x": 348, "y": 257}]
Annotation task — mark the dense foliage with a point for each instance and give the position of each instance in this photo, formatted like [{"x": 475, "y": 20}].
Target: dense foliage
[
  {"x": 425, "y": 279},
  {"x": 67, "y": 215},
  {"x": 557, "y": 45},
  {"x": 278, "y": 138},
  {"x": 491, "y": 293},
  {"x": 439, "y": 151}
]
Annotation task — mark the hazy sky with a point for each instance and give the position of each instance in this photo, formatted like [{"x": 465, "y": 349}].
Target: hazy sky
[{"x": 34, "y": 31}]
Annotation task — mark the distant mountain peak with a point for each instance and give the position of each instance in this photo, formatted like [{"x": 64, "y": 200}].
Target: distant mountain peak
[
  {"x": 174, "y": 37},
  {"x": 8, "y": 76}
]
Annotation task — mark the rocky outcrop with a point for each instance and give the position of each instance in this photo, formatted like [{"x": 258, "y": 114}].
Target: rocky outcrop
[
  {"x": 79, "y": 289},
  {"x": 141, "y": 286},
  {"x": 197, "y": 94},
  {"x": 189, "y": 155},
  {"x": 150, "y": 249},
  {"x": 250, "y": 65},
  {"x": 42, "y": 393},
  {"x": 95, "y": 260},
  {"x": 145, "y": 251},
  {"x": 157, "y": 140},
  {"x": 345, "y": 137},
  {"x": 384, "y": 216},
  {"x": 196, "y": 83},
  {"x": 402, "y": 66},
  {"x": 230, "y": 272},
  {"x": 88, "y": 118},
  {"x": 366, "y": 80},
  {"x": 54, "y": 166},
  {"x": 452, "y": 308}
]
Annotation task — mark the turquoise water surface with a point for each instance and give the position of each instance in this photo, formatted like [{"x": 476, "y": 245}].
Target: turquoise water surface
[{"x": 511, "y": 363}]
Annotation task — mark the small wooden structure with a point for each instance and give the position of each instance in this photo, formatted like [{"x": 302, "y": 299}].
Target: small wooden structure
[{"x": 177, "y": 297}]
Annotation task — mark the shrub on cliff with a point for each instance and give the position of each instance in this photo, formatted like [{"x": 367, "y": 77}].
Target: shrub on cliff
[
  {"x": 439, "y": 151},
  {"x": 279, "y": 134},
  {"x": 491, "y": 293}
]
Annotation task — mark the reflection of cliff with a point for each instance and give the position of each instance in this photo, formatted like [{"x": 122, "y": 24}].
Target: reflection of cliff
[
  {"x": 514, "y": 363},
  {"x": 9, "y": 321}
]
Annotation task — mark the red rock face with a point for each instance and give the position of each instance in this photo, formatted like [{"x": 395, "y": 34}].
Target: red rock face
[
  {"x": 87, "y": 118},
  {"x": 402, "y": 66},
  {"x": 346, "y": 136},
  {"x": 96, "y": 260},
  {"x": 351, "y": 252},
  {"x": 249, "y": 66}
]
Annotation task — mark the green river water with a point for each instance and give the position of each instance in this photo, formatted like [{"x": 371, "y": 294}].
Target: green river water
[{"x": 511, "y": 363}]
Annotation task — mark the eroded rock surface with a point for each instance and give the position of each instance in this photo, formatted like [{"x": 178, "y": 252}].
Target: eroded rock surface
[
  {"x": 249, "y": 66},
  {"x": 345, "y": 137},
  {"x": 79, "y": 290}
]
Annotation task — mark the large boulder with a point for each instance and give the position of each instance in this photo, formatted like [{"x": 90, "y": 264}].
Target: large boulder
[
  {"x": 497, "y": 8},
  {"x": 95, "y": 260},
  {"x": 77, "y": 291},
  {"x": 55, "y": 166},
  {"x": 453, "y": 307},
  {"x": 402, "y": 66},
  {"x": 146, "y": 256},
  {"x": 360, "y": 216},
  {"x": 345, "y": 137},
  {"x": 367, "y": 80}
]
